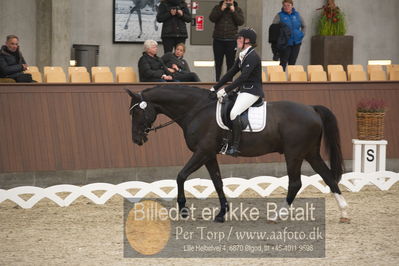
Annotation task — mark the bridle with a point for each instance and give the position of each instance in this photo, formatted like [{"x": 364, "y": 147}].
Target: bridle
[{"x": 143, "y": 105}]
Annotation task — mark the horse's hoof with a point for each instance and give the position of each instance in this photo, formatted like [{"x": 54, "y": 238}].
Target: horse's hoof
[
  {"x": 344, "y": 220},
  {"x": 184, "y": 213},
  {"x": 219, "y": 219}
]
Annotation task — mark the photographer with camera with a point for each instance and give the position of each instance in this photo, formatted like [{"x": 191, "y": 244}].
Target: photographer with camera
[
  {"x": 174, "y": 15},
  {"x": 227, "y": 16}
]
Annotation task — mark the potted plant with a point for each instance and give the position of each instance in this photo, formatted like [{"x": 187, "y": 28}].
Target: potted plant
[
  {"x": 331, "y": 46},
  {"x": 332, "y": 20},
  {"x": 370, "y": 119}
]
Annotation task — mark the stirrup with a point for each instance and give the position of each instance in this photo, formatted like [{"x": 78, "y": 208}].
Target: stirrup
[
  {"x": 233, "y": 151},
  {"x": 225, "y": 146}
]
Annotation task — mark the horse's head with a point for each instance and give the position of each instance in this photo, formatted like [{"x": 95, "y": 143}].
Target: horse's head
[{"x": 143, "y": 115}]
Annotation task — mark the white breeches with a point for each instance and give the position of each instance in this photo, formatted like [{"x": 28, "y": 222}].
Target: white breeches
[{"x": 243, "y": 102}]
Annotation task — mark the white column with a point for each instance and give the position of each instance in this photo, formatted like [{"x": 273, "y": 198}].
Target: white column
[
  {"x": 369, "y": 155},
  {"x": 357, "y": 157},
  {"x": 381, "y": 159},
  {"x": 369, "y": 160}
]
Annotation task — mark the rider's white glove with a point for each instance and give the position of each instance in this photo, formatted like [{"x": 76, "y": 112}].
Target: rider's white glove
[
  {"x": 220, "y": 94},
  {"x": 212, "y": 89}
]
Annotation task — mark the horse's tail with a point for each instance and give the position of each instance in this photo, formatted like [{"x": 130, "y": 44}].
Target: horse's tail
[{"x": 331, "y": 140}]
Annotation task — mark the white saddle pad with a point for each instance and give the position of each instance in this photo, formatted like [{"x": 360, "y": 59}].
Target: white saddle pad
[{"x": 256, "y": 117}]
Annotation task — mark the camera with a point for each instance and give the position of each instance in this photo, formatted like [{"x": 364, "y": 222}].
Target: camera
[
  {"x": 228, "y": 5},
  {"x": 176, "y": 7}
]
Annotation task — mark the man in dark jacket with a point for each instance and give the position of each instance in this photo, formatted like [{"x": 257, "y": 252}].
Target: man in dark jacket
[
  {"x": 249, "y": 83},
  {"x": 12, "y": 63},
  {"x": 174, "y": 15},
  {"x": 227, "y": 16},
  {"x": 151, "y": 67}
]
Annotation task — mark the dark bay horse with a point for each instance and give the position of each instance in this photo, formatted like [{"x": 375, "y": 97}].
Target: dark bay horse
[
  {"x": 292, "y": 129},
  {"x": 138, "y": 5}
]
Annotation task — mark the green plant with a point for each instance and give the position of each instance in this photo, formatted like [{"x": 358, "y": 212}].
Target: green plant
[
  {"x": 371, "y": 106},
  {"x": 332, "y": 20}
]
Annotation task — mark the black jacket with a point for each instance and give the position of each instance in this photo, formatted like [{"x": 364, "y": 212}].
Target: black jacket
[
  {"x": 185, "y": 73},
  {"x": 151, "y": 68},
  {"x": 250, "y": 80},
  {"x": 11, "y": 63},
  {"x": 173, "y": 26},
  {"x": 279, "y": 34},
  {"x": 170, "y": 58},
  {"x": 226, "y": 22}
]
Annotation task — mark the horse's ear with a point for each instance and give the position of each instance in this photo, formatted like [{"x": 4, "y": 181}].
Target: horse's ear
[{"x": 131, "y": 94}]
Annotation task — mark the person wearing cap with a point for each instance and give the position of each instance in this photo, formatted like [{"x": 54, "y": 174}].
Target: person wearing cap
[
  {"x": 248, "y": 84},
  {"x": 289, "y": 16}
]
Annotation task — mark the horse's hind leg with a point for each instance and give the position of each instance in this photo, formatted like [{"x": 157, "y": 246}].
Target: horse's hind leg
[
  {"x": 294, "y": 182},
  {"x": 322, "y": 169},
  {"x": 213, "y": 168},
  {"x": 155, "y": 25},
  {"x": 155, "y": 9},
  {"x": 294, "y": 178}
]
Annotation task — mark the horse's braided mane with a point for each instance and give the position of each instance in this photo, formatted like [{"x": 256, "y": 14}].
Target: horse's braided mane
[{"x": 179, "y": 89}]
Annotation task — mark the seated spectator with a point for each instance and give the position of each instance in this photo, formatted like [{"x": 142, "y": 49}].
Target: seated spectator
[
  {"x": 12, "y": 63},
  {"x": 151, "y": 67},
  {"x": 178, "y": 65}
]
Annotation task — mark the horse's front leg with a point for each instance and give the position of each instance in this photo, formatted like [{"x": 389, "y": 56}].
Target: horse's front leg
[
  {"x": 140, "y": 23},
  {"x": 213, "y": 168},
  {"x": 197, "y": 160},
  {"x": 128, "y": 18}
]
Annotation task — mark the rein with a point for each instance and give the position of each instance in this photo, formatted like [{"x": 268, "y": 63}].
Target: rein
[{"x": 148, "y": 130}]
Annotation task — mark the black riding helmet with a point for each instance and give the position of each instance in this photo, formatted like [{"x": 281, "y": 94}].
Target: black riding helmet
[{"x": 248, "y": 33}]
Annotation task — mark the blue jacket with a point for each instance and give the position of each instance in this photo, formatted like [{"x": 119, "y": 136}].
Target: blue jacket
[{"x": 294, "y": 22}]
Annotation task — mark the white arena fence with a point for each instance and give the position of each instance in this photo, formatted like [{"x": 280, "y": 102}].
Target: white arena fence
[{"x": 353, "y": 181}]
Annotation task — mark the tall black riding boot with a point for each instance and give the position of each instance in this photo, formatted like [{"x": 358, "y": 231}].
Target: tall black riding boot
[{"x": 233, "y": 150}]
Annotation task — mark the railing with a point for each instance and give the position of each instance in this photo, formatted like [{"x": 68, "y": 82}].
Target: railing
[
  {"x": 353, "y": 182},
  {"x": 50, "y": 127}
]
